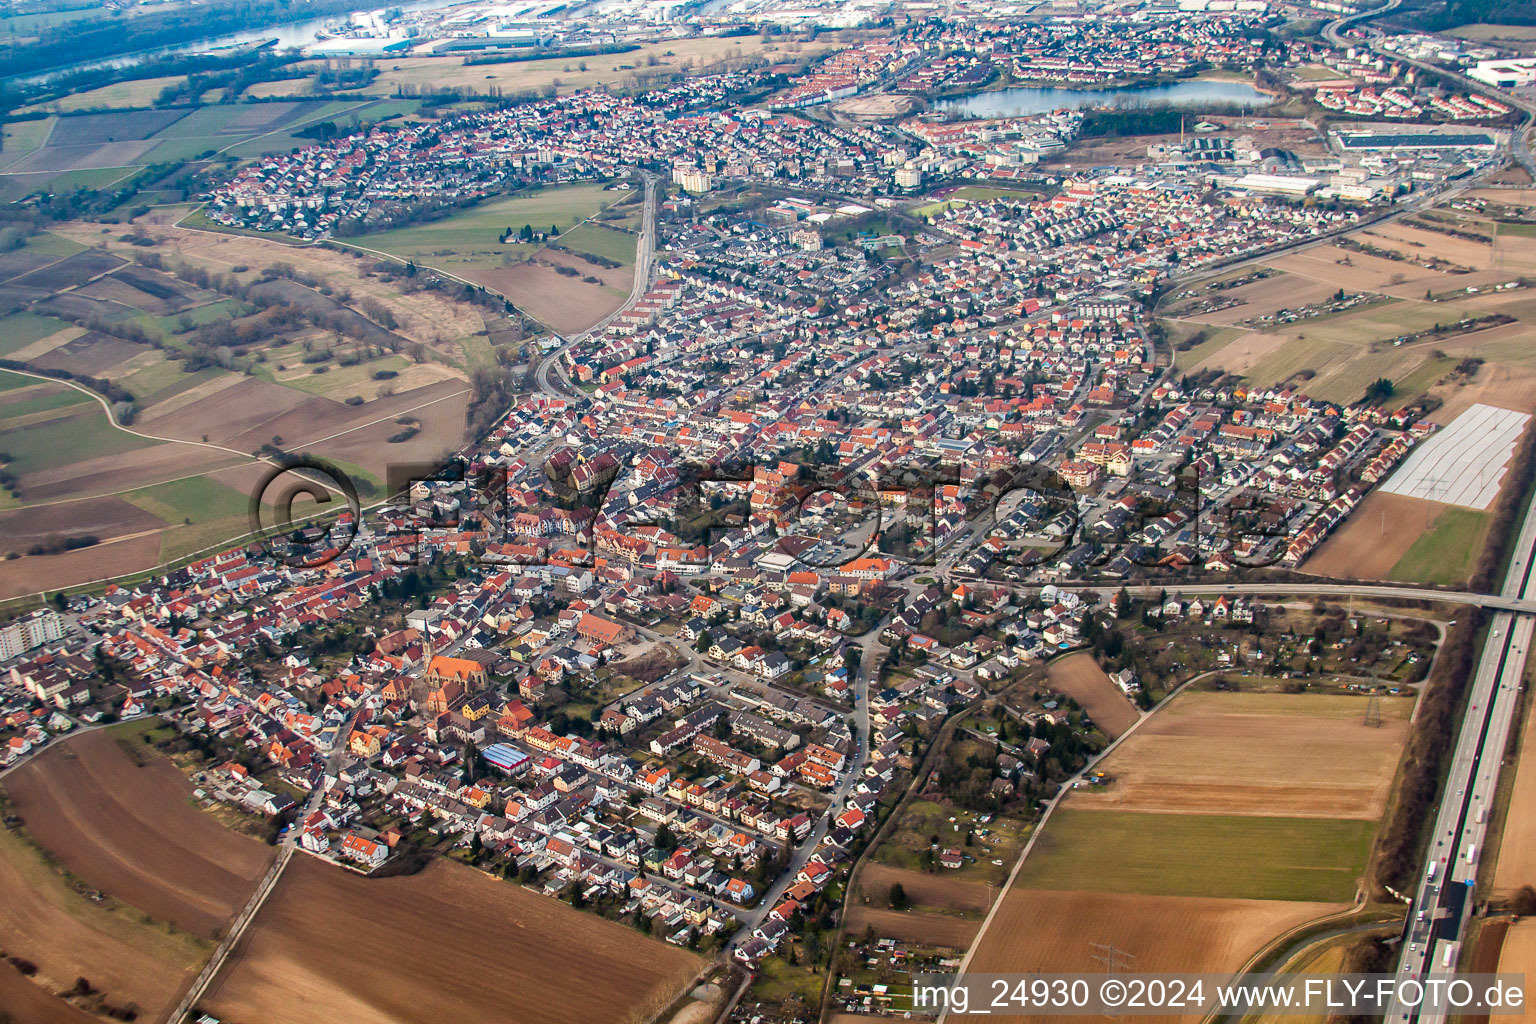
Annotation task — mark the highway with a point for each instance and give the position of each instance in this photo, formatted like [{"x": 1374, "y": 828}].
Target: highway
[{"x": 1441, "y": 906}]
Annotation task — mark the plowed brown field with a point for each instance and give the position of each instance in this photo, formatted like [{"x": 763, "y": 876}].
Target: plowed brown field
[
  {"x": 923, "y": 889},
  {"x": 1080, "y": 677},
  {"x": 1037, "y": 930},
  {"x": 448, "y": 945},
  {"x": 1255, "y": 754},
  {"x": 1375, "y": 537},
  {"x": 903, "y": 926},
  {"x": 131, "y": 832}
]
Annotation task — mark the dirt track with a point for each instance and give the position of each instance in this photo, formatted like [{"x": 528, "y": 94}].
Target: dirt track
[{"x": 131, "y": 832}]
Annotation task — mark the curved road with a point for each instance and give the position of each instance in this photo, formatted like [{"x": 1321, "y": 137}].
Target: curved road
[{"x": 645, "y": 251}]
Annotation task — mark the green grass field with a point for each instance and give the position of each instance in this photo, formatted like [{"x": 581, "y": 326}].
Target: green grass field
[
  {"x": 83, "y": 435},
  {"x": 601, "y": 241},
  {"x": 1446, "y": 552},
  {"x": 138, "y": 93},
  {"x": 53, "y": 245},
  {"x": 471, "y": 236},
  {"x": 1216, "y": 339},
  {"x": 196, "y": 498},
  {"x": 11, "y": 381},
  {"x": 23, "y": 137},
  {"x": 46, "y": 399},
  {"x": 216, "y": 510},
  {"x": 986, "y": 193},
  {"x": 1234, "y": 857},
  {"x": 1310, "y": 353},
  {"x": 19, "y": 330}
]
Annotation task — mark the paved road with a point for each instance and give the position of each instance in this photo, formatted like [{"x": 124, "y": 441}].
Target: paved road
[
  {"x": 1445, "y": 894},
  {"x": 1524, "y": 604},
  {"x": 857, "y": 760},
  {"x": 645, "y": 252}
]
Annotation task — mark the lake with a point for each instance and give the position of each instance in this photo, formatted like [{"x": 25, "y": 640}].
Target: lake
[{"x": 1031, "y": 100}]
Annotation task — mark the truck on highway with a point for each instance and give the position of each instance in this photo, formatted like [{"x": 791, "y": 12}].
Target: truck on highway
[
  {"x": 1448, "y": 954},
  {"x": 1432, "y": 866},
  {"x": 1472, "y": 854},
  {"x": 1482, "y": 815}
]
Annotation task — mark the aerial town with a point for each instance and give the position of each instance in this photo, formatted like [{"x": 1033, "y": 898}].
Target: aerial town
[{"x": 909, "y": 479}]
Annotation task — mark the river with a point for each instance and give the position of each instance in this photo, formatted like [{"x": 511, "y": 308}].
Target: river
[
  {"x": 1031, "y": 100},
  {"x": 289, "y": 35}
]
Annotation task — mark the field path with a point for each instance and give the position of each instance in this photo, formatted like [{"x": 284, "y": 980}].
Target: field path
[{"x": 106, "y": 407}]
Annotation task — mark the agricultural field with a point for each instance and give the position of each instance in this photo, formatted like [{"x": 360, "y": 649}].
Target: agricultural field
[
  {"x": 1048, "y": 930},
  {"x": 944, "y": 906},
  {"x": 110, "y": 872},
  {"x": 293, "y": 355},
  {"x": 338, "y": 939},
  {"x": 1447, "y": 552},
  {"x": 57, "y": 923},
  {"x": 600, "y": 240},
  {"x": 408, "y": 75},
  {"x": 1211, "y": 752},
  {"x": 92, "y": 150},
  {"x": 566, "y": 303},
  {"x": 551, "y": 282},
  {"x": 135, "y": 93},
  {"x": 1517, "y": 846},
  {"x": 471, "y": 238},
  {"x": 1225, "y": 823},
  {"x": 1201, "y": 855},
  {"x": 1080, "y": 677},
  {"x": 1519, "y": 38},
  {"x": 1416, "y": 276},
  {"x": 1517, "y": 954},
  {"x": 1376, "y": 539},
  {"x": 941, "y": 908},
  {"x": 87, "y": 803},
  {"x": 914, "y": 926}
]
